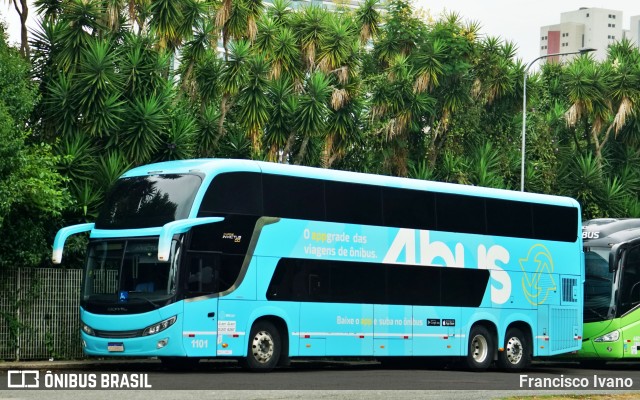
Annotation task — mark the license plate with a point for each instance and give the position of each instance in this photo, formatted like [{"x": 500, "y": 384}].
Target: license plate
[{"x": 115, "y": 346}]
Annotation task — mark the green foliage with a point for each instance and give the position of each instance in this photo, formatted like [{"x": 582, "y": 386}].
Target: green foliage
[{"x": 31, "y": 192}]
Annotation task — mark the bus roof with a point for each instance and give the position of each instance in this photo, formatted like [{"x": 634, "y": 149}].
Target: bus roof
[
  {"x": 212, "y": 166},
  {"x": 609, "y": 231}
]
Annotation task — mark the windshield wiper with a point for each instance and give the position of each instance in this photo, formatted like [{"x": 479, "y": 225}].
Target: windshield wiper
[{"x": 146, "y": 299}]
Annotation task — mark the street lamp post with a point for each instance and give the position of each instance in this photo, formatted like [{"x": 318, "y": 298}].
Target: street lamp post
[{"x": 524, "y": 103}]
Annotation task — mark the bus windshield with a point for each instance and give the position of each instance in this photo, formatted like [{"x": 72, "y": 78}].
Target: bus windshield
[
  {"x": 598, "y": 287},
  {"x": 148, "y": 201},
  {"x": 128, "y": 274}
]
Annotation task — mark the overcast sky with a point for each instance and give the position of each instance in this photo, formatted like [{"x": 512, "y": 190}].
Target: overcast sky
[{"x": 515, "y": 20}]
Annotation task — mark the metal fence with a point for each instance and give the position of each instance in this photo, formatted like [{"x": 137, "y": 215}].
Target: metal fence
[{"x": 39, "y": 314}]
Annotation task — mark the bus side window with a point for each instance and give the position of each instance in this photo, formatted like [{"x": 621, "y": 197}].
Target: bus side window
[
  {"x": 315, "y": 285},
  {"x": 300, "y": 285},
  {"x": 319, "y": 287},
  {"x": 202, "y": 272},
  {"x": 630, "y": 290}
]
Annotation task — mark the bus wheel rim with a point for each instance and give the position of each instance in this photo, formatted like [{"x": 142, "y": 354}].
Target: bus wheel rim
[
  {"x": 514, "y": 350},
  {"x": 479, "y": 348},
  {"x": 263, "y": 347}
]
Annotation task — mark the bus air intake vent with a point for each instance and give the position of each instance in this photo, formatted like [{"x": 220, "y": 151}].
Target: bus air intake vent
[
  {"x": 119, "y": 334},
  {"x": 569, "y": 290}
]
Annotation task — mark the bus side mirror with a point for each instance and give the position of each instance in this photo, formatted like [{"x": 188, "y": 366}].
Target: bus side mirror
[
  {"x": 179, "y": 226},
  {"x": 614, "y": 257},
  {"x": 61, "y": 237}
]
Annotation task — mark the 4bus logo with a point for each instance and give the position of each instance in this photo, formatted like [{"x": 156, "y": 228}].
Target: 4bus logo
[
  {"x": 416, "y": 247},
  {"x": 537, "y": 285},
  {"x": 412, "y": 246}
]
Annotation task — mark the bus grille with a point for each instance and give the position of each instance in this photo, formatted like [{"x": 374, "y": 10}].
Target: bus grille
[{"x": 119, "y": 334}]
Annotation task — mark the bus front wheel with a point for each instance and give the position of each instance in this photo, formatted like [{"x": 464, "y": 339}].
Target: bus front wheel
[
  {"x": 481, "y": 349},
  {"x": 517, "y": 353},
  {"x": 265, "y": 347}
]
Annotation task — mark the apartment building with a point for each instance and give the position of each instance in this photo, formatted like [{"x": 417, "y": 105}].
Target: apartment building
[{"x": 587, "y": 28}]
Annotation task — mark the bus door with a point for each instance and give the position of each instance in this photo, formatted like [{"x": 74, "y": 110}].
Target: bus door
[
  {"x": 393, "y": 330},
  {"x": 200, "y": 318},
  {"x": 629, "y": 301}
]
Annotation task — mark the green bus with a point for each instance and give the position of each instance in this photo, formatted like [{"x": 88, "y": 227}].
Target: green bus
[{"x": 611, "y": 291}]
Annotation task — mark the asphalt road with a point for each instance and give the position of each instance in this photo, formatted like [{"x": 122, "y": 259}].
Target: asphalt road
[{"x": 311, "y": 379}]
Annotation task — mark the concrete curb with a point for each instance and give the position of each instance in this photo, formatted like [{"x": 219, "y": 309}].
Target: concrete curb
[{"x": 73, "y": 364}]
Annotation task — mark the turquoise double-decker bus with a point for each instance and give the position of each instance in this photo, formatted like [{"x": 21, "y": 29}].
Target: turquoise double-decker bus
[{"x": 265, "y": 262}]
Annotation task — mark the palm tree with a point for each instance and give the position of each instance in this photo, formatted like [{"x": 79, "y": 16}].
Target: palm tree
[
  {"x": 111, "y": 166},
  {"x": 624, "y": 85},
  {"x": 311, "y": 115},
  {"x": 195, "y": 50},
  {"x": 496, "y": 75},
  {"x": 146, "y": 121},
  {"x": 401, "y": 111},
  {"x": 253, "y": 102},
  {"x": 586, "y": 91},
  {"x": 78, "y": 160},
  {"x": 338, "y": 56},
  {"x": 581, "y": 178},
  {"x": 401, "y": 33},
  {"x": 81, "y": 23},
  {"x": 207, "y": 73},
  {"x": 368, "y": 18},
  {"x": 112, "y": 16},
  {"x": 279, "y": 132},
  {"x": 49, "y": 10},
  {"x": 142, "y": 66},
  {"x": 207, "y": 135},
  {"x": 429, "y": 61},
  {"x": 98, "y": 88},
  {"x": 310, "y": 26},
  {"x": 278, "y": 44},
  {"x": 180, "y": 139},
  {"x": 485, "y": 167},
  {"x": 343, "y": 127},
  {"x": 232, "y": 77},
  {"x": 280, "y": 12},
  {"x": 166, "y": 22},
  {"x": 238, "y": 20}
]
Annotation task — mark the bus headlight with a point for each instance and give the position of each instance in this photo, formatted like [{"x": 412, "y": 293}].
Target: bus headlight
[
  {"x": 609, "y": 337},
  {"x": 159, "y": 327},
  {"x": 88, "y": 330}
]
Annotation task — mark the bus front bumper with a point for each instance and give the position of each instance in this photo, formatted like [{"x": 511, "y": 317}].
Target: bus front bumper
[{"x": 159, "y": 345}]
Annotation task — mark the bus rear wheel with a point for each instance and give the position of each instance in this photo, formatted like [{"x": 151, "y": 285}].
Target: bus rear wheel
[
  {"x": 481, "y": 349},
  {"x": 517, "y": 352},
  {"x": 265, "y": 347}
]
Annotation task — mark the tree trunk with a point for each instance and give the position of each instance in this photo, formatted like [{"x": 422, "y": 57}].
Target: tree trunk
[
  {"x": 223, "y": 114},
  {"x": 326, "y": 152},
  {"x": 23, "y": 12},
  {"x": 303, "y": 150},
  {"x": 287, "y": 147}
]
